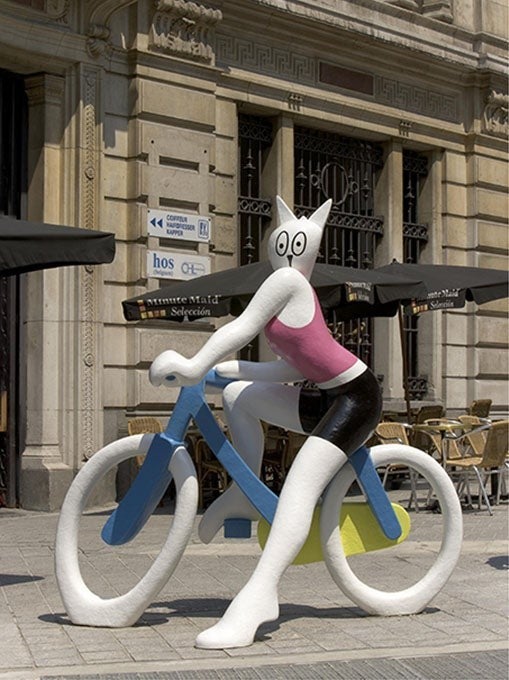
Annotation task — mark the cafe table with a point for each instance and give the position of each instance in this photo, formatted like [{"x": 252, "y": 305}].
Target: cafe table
[{"x": 444, "y": 434}]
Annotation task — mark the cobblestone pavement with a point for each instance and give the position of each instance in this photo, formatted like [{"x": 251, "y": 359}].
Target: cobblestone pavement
[{"x": 320, "y": 632}]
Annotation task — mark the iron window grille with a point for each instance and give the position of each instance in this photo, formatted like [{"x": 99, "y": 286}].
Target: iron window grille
[
  {"x": 254, "y": 211},
  {"x": 344, "y": 169}
]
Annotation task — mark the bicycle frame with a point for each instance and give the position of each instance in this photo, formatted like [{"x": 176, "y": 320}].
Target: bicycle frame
[{"x": 154, "y": 477}]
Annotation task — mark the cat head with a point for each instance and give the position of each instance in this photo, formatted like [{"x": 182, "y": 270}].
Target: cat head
[{"x": 295, "y": 243}]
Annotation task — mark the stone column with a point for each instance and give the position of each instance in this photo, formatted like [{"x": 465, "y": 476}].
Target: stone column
[
  {"x": 278, "y": 177},
  {"x": 389, "y": 203},
  {"x": 64, "y": 319}
]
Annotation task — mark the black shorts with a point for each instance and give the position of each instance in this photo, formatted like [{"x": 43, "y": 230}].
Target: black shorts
[{"x": 346, "y": 415}]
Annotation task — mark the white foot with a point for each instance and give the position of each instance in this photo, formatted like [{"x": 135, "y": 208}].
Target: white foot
[
  {"x": 237, "y": 628},
  {"x": 230, "y": 504}
]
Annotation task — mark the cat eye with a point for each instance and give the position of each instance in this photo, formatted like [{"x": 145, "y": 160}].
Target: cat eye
[
  {"x": 282, "y": 243},
  {"x": 299, "y": 243}
]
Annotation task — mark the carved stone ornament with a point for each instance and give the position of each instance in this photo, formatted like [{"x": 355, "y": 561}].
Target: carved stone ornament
[
  {"x": 98, "y": 40},
  {"x": 496, "y": 114},
  {"x": 98, "y": 33},
  {"x": 185, "y": 29},
  {"x": 56, "y": 10},
  {"x": 434, "y": 9}
]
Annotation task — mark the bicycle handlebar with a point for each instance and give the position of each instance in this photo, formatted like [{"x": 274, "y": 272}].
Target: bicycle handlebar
[{"x": 212, "y": 379}]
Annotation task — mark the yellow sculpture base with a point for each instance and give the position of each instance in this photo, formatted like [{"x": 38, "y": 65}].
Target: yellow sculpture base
[{"x": 360, "y": 532}]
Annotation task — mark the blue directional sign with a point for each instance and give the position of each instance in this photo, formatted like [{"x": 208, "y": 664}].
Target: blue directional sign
[{"x": 178, "y": 226}]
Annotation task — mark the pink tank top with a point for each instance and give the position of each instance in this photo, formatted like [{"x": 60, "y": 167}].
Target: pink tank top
[{"x": 311, "y": 349}]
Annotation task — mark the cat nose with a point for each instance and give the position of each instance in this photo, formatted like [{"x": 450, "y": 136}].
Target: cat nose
[{"x": 290, "y": 258}]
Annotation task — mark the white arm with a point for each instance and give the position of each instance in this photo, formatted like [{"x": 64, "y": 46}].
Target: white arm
[
  {"x": 265, "y": 371},
  {"x": 269, "y": 300}
]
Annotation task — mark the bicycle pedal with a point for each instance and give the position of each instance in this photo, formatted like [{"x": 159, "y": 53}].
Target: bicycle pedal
[{"x": 237, "y": 528}]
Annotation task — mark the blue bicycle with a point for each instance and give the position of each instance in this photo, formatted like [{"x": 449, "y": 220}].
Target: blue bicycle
[{"x": 345, "y": 527}]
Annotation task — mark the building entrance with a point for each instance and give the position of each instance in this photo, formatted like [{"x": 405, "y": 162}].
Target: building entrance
[{"x": 13, "y": 136}]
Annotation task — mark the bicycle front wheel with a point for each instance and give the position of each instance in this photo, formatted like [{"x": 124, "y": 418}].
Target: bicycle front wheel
[
  {"x": 352, "y": 575},
  {"x": 83, "y": 606}
]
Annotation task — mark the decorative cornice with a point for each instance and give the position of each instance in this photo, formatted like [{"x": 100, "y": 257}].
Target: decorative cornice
[
  {"x": 495, "y": 115},
  {"x": 185, "y": 29}
]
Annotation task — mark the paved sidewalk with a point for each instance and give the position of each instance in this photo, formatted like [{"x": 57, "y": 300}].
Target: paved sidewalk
[{"x": 462, "y": 634}]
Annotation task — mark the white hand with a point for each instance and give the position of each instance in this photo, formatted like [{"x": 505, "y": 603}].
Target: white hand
[
  {"x": 174, "y": 370},
  {"x": 228, "y": 369}
]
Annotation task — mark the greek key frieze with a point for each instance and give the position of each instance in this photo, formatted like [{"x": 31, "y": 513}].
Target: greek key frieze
[
  {"x": 267, "y": 59},
  {"x": 416, "y": 99}
]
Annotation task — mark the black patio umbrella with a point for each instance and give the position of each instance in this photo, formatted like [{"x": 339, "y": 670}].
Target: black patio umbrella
[
  {"x": 447, "y": 287},
  {"x": 353, "y": 293},
  {"x": 27, "y": 246}
]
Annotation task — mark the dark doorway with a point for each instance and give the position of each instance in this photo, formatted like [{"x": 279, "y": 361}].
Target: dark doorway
[{"x": 13, "y": 182}]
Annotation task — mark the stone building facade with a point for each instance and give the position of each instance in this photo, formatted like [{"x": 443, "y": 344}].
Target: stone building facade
[{"x": 141, "y": 105}]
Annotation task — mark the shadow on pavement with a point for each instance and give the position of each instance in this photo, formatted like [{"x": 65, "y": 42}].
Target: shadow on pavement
[
  {"x": 499, "y": 562},
  {"x": 14, "y": 579}
]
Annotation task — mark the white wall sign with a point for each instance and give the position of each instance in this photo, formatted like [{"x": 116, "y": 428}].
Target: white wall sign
[
  {"x": 166, "y": 264},
  {"x": 179, "y": 226}
]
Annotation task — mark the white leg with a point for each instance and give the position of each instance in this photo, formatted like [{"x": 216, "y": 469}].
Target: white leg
[
  {"x": 314, "y": 467},
  {"x": 245, "y": 404}
]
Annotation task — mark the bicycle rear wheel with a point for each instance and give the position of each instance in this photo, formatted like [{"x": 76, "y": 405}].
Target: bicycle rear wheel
[
  {"x": 83, "y": 606},
  {"x": 416, "y": 596}
]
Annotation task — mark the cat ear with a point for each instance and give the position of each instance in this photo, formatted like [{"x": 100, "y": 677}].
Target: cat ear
[
  {"x": 320, "y": 215},
  {"x": 283, "y": 211}
]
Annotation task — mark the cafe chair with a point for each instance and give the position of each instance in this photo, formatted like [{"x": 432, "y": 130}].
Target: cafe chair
[
  {"x": 295, "y": 443},
  {"x": 475, "y": 433},
  {"x": 281, "y": 448},
  {"x": 143, "y": 425},
  {"x": 480, "y": 408},
  {"x": 425, "y": 413},
  {"x": 128, "y": 470},
  {"x": 274, "y": 456},
  {"x": 212, "y": 476},
  {"x": 397, "y": 432},
  {"x": 491, "y": 461}
]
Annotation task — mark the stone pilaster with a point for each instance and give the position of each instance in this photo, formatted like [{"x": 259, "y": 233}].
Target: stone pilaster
[
  {"x": 90, "y": 355},
  {"x": 44, "y": 474},
  {"x": 387, "y": 345}
]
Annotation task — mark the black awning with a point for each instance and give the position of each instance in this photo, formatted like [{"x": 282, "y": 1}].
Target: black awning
[{"x": 28, "y": 246}]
